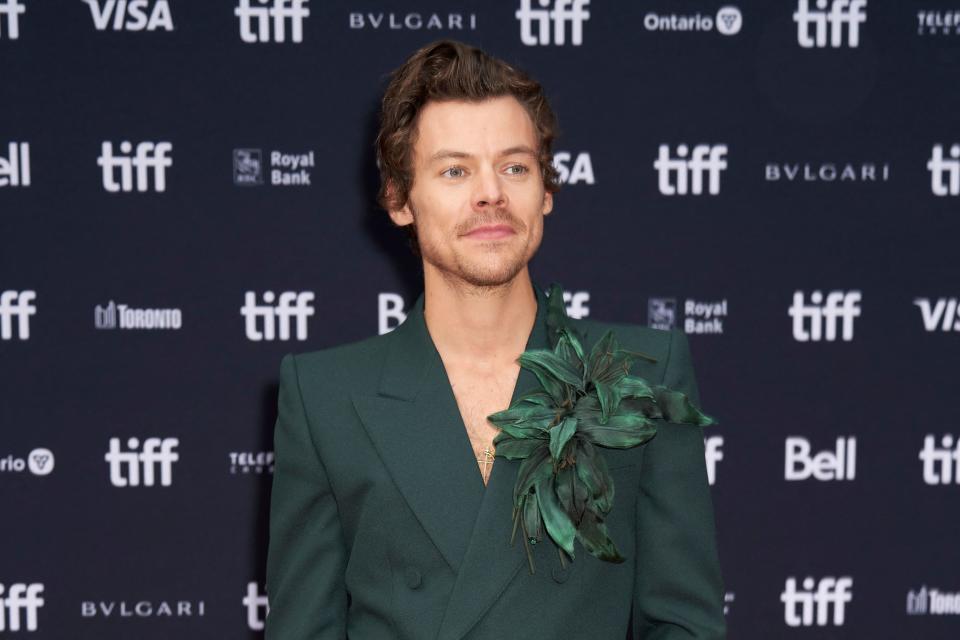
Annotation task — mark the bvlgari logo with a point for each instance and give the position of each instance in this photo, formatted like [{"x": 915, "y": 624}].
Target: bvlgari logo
[
  {"x": 142, "y": 609},
  {"x": 827, "y": 172}
]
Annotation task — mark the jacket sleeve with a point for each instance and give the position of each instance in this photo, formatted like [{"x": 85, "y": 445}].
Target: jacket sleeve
[
  {"x": 678, "y": 588},
  {"x": 306, "y": 556}
]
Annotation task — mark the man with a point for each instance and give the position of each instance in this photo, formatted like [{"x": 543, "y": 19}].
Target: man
[{"x": 390, "y": 517}]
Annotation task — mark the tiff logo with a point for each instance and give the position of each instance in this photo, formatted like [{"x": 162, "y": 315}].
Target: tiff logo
[
  {"x": 148, "y": 156},
  {"x": 15, "y": 170},
  {"x": 130, "y": 15},
  {"x": 20, "y": 598},
  {"x": 12, "y": 10},
  {"x": 680, "y": 175},
  {"x": 713, "y": 454},
  {"x": 800, "y": 607},
  {"x": 125, "y": 466},
  {"x": 843, "y": 13},
  {"x": 839, "y": 305},
  {"x": 257, "y": 607},
  {"x": 276, "y": 318},
  {"x": 840, "y": 464},
  {"x": 564, "y": 11},
  {"x": 278, "y": 14},
  {"x": 945, "y": 173},
  {"x": 16, "y": 304},
  {"x": 941, "y": 465}
]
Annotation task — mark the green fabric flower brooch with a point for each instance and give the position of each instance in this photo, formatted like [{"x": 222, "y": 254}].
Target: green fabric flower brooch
[{"x": 586, "y": 402}]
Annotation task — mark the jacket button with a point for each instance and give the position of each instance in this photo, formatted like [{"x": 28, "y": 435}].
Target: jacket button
[
  {"x": 412, "y": 577},
  {"x": 560, "y": 574}
]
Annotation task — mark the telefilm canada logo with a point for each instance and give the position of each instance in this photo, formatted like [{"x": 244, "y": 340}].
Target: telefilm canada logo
[
  {"x": 413, "y": 21},
  {"x": 130, "y": 15},
  {"x": 728, "y": 21},
  {"x": 251, "y": 462},
  {"x": 285, "y": 170},
  {"x": 829, "y": 23},
  {"x": 15, "y": 168},
  {"x": 269, "y": 20},
  {"x": 122, "y": 316},
  {"x": 699, "y": 316},
  {"x": 391, "y": 308},
  {"x": 15, "y": 312},
  {"x": 10, "y": 12},
  {"x": 39, "y": 462},
  {"x": 20, "y": 605},
  {"x": 547, "y": 24},
  {"x": 934, "y": 22}
]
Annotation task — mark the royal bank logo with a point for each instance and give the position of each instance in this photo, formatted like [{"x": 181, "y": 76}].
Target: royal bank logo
[
  {"x": 134, "y": 167},
  {"x": 933, "y": 602},
  {"x": 15, "y": 168},
  {"x": 712, "y": 454},
  {"x": 273, "y": 318},
  {"x": 285, "y": 170},
  {"x": 10, "y": 11},
  {"x": 268, "y": 20},
  {"x": 819, "y": 602},
  {"x": 689, "y": 170},
  {"x": 39, "y": 462},
  {"x": 942, "y": 314},
  {"x": 15, "y": 306},
  {"x": 935, "y": 22},
  {"x": 699, "y": 316},
  {"x": 251, "y": 462},
  {"x": 728, "y": 21},
  {"x": 130, "y": 15},
  {"x": 20, "y": 606},
  {"x": 574, "y": 168},
  {"x": 413, "y": 21},
  {"x": 391, "y": 308},
  {"x": 124, "y": 609},
  {"x": 121, "y": 316},
  {"x": 839, "y": 463},
  {"x": 941, "y": 463},
  {"x": 819, "y": 172},
  {"x": 547, "y": 25},
  {"x": 820, "y": 319},
  {"x": 257, "y": 606},
  {"x": 140, "y": 465},
  {"x": 828, "y": 23},
  {"x": 945, "y": 172}
]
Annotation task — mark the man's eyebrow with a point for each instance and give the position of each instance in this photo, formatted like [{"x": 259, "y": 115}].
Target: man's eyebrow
[{"x": 443, "y": 154}]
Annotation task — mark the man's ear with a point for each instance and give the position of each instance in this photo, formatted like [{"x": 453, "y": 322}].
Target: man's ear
[
  {"x": 547, "y": 202},
  {"x": 402, "y": 216}
]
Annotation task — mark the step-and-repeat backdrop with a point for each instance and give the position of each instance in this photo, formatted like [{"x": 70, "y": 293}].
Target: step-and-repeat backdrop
[{"x": 187, "y": 194}]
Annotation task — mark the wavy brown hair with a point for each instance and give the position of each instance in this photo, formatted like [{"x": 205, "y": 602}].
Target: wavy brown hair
[{"x": 450, "y": 70}]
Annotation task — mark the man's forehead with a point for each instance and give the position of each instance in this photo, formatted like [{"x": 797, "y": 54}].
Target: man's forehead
[{"x": 490, "y": 125}]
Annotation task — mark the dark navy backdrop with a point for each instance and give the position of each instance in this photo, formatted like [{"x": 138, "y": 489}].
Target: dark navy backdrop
[{"x": 779, "y": 179}]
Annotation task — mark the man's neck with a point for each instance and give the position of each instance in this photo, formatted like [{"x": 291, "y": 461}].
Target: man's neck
[{"x": 487, "y": 325}]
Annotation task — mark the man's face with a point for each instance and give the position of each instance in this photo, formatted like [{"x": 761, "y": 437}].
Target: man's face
[{"x": 478, "y": 198}]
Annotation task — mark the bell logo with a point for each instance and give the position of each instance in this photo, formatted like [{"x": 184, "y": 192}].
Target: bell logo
[
  {"x": 941, "y": 465},
  {"x": 276, "y": 319},
  {"x": 824, "y": 316},
  {"x": 11, "y": 9},
  {"x": 843, "y": 13},
  {"x": 840, "y": 464},
  {"x": 126, "y": 466},
  {"x": 15, "y": 169},
  {"x": 20, "y": 605},
  {"x": 258, "y": 608},
  {"x": 564, "y": 11},
  {"x": 713, "y": 454},
  {"x": 149, "y": 155},
  {"x": 945, "y": 172},
  {"x": 814, "y": 602},
  {"x": 277, "y": 15},
  {"x": 683, "y": 174}
]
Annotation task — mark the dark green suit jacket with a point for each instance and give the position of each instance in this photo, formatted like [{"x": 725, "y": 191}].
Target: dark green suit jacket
[{"x": 381, "y": 527}]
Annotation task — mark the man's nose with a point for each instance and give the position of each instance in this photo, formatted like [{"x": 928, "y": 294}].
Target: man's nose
[{"x": 488, "y": 190}]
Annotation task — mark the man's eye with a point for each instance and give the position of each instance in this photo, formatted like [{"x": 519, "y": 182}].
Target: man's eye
[
  {"x": 516, "y": 169},
  {"x": 453, "y": 172}
]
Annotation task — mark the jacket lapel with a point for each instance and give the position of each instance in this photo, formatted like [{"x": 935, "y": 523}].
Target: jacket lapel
[{"x": 416, "y": 427}]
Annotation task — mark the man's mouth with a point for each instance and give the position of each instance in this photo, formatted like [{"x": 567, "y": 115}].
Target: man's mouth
[{"x": 491, "y": 232}]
